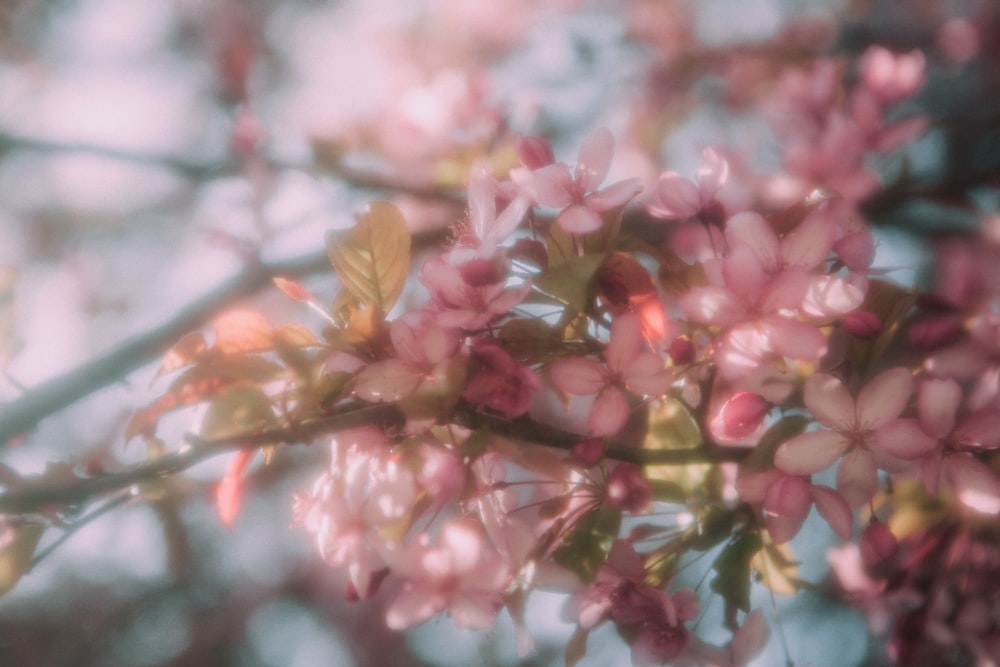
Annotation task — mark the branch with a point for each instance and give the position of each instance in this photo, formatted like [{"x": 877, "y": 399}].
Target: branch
[
  {"x": 385, "y": 415},
  {"x": 46, "y": 398}
]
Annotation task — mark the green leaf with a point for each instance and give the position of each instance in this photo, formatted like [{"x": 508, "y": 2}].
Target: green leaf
[
  {"x": 714, "y": 525},
  {"x": 586, "y": 546},
  {"x": 373, "y": 258},
  {"x": 570, "y": 283},
  {"x": 777, "y": 570},
  {"x": 16, "y": 555},
  {"x": 733, "y": 569},
  {"x": 237, "y": 410},
  {"x": 531, "y": 340},
  {"x": 667, "y": 491}
]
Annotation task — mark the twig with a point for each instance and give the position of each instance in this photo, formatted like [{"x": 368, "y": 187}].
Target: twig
[{"x": 385, "y": 415}]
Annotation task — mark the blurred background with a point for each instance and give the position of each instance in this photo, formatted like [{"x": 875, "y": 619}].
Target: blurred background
[{"x": 149, "y": 151}]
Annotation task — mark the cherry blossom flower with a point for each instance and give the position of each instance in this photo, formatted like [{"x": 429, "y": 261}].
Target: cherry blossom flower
[
  {"x": 629, "y": 368},
  {"x": 947, "y": 443},
  {"x": 500, "y": 383},
  {"x": 788, "y": 499},
  {"x": 364, "y": 492},
  {"x": 575, "y": 192},
  {"x": 741, "y": 415},
  {"x": 864, "y": 432},
  {"x": 422, "y": 348},
  {"x": 458, "y": 304},
  {"x": 677, "y": 198},
  {"x": 461, "y": 574}
]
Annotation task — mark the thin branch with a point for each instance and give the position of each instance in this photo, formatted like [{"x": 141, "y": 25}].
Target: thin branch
[
  {"x": 385, "y": 415},
  {"x": 46, "y": 398}
]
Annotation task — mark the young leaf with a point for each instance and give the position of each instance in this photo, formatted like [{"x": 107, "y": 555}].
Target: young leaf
[
  {"x": 373, "y": 258},
  {"x": 17, "y": 551},
  {"x": 229, "y": 493},
  {"x": 586, "y": 546},
  {"x": 571, "y": 283},
  {"x": 238, "y": 410},
  {"x": 732, "y": 580},
  {"x": 293, "y": 290},
  {"x": 242, "y": 331}
]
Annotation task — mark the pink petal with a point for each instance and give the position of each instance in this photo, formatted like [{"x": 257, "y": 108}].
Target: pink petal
[
  {"x": 829, "y": 296},
  {"x": 548, "y": 186},
  {"x": 578, "y": 219},
  {"x": 904, "y": 438},
  {"x": 576, "y": 375},
  {"x": 980, "y": 428},
  {"x": 626, "y": 342},
  {"x": 712, "y": 174},
  {"x": 413, "y": 606},
  {"x": 785, "y": 290},
  {"x": 482, "y": 201},
  {"x": 794, "y": 339},
  {"x": 712, "y": 305},
  {"x": 810, "y": 452},
  {"x": 829, "y": 401},
  {"x": 475, "y": 612},
  {"x": 877, "y": 543},
  {"x": 613, "y": 196},
  {"x": 388, "y": 380},
  {"x": 975, "y": 485},
  {"x": 609, "y": 412},
  {"x": 884, "y": 397},
  {"x": 594, "y": 159},
  {"x": 930, "y": 473},
  {"x": 832, "y": 507},
  {"x": 675, "y": 198},
  {"x": 752, "y": 230},
  {"x": 505, "y": 223},
  {"x": 646, "y": 375},
  {"x": 857, "y": 478},
  {"x": 751, "y": 638},
  {"x": 856, "y": 250},
  {"x": 810, "y": 242},
  {"x": 744, "y": 274}
]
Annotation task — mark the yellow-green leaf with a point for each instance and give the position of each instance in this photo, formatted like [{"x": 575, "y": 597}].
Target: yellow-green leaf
[
  {"x": 17, "y": 553},
  {"x": 373, "y": 258},
  {"x": 238, "y": 410}
]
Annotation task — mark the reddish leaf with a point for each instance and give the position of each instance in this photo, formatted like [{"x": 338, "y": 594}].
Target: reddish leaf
[
  {"x": 241, "y": 331},
  {"x": 229, "y": 492},
  {"x": 185, "y": 352},
  {"x": 294, "y": 290}
]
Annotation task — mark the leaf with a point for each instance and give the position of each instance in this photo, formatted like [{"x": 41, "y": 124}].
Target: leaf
[
  {"x": 238, "y": 410},
  {"x": 576, "y": 648},
  {"x": 242, "y": 331},
  {"x": 714, "y": 525},
  {"x": 229, "y": 492},
  {"x": 293, "y": 290},
  {"x": 373, "y": 258},
  {"x": 570, "y": 283},
  {"x": 777, "y": 570},
  {"x": 188, "y": 350},
  {"x": 732, "y": 580},
  {"x": 19, "y": 543},
  {"x": 586, "y": 546},
  {"x": 531, "y": 340}
]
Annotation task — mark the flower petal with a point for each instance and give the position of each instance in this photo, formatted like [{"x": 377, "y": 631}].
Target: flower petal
[
  {"x": 832, "y": 507},
  {"x": 609, "y": 413},
  {"x": 576, "y": 375},
  {"x": 937, "y": 404},
  {"x": 810, "y": 452},
  {"x": 388, "y": 380},
  {"x": 884, "y": 397},
  {"x": 752, "y": 230},
  {"x": 578, "y": 219},
  {"x": 626, "y": 342},
  {"x": 903, "y": 438},
  {"x": 975, "y": 485},
  {"x": 857, "y": 478},
  {"x": 613, "y": 196},
  {"x": 594, "y": 159},
  {"x": 829, "y": 401},
  {"x": 675, "y": 197}
]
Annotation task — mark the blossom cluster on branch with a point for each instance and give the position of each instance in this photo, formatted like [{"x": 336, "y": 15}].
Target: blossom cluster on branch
[{"x": 754, "y": 345}]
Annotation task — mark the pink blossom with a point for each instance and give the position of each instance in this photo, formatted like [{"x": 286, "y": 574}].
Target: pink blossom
[
  {"x": 422, "y": 349},
  {"x": 461, "y": 574},
  {"x": 787, "y": 500},
  {"x": 628, "y": 367},
  {"x": 892, "y": 77},
  {"x": 500, "y": 382},
  {"x": 627, "y": 490},
  {"x": 877, "y": 543},
  {"x": 864, "y": 433},
  {"x": 575, "y": 192},
  {"x": 677, "y": 198},
  {"x": 947, "y": 444},
  {"x": 460, "y": 304},
  {"x": 739, "y": 416}
]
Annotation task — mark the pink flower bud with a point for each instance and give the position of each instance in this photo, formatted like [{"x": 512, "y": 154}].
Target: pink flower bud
[
  {"x": 740, "y": 416},
  {"x": 862, "y": 324},
  {"x": 534, "y": 152},
  {"x": 877, "y": 543},
  {"x": 681, "y": 351},
  {"x": 482, "y": 272},
  {"x": 934, "y": 332}
]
